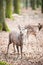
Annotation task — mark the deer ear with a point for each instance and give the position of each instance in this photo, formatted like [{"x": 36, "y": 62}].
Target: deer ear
[{"x": 19, "y": 27}]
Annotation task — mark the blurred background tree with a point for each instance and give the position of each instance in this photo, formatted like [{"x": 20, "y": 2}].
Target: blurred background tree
[
  {"x": 26, "y": 4},
  {"x": 33, "y": 4},
  {"x": 42, "y": 6},
  {"x": 16, "y": 6},
  {"x": 9, "y": 5},
  {"x": 37, "y": 2},
  {"x": 3, "y": 25}
]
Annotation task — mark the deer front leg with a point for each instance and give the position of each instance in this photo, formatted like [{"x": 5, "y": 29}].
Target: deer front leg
[
  {"x": 17, "y": 49},
  {"x": 14, "y": 48}
]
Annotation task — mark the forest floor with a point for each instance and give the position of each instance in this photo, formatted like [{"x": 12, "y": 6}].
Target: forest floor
[{"x": 32, "y": 47}]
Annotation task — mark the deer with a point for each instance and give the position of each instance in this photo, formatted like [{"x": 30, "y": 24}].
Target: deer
[
  {"x": 30, "y": 29},
  {"x": 16, "y": 39}
]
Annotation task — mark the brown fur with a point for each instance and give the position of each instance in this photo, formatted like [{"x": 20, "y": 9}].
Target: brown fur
[{"x": 30, "y": 30}]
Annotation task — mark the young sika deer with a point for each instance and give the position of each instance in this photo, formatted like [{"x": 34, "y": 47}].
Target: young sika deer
[
  {"x": 30, "y": 30},
  {"x": 16, "y": 39}
]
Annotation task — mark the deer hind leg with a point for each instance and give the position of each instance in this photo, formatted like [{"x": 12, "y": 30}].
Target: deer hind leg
[
  {"x": 21, "y": 51},
  {"x": 8, "y": 47}
]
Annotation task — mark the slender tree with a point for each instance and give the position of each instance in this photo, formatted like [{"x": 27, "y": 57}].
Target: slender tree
[
  {"x": 3, "y": 25},
  {"x": 16, "y": 6},
  {"x": 33, "y": 4},
  {"x": 9, "y": 8},
  {"x": 26, "y": 4},
  {"x": 37, "y": 3},
  {"x": 42, "y": 6}
]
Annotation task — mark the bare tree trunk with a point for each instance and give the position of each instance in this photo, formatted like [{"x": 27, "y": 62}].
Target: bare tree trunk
[
  {"x": 42, "y": 6},
  {"x": 9, "y": 8},
  {"x": 16, "y": 6},
  {"x": 33, "y": 4},
  {"x": 3, "y": 25},
  {"x": 26, "y": 4}
]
